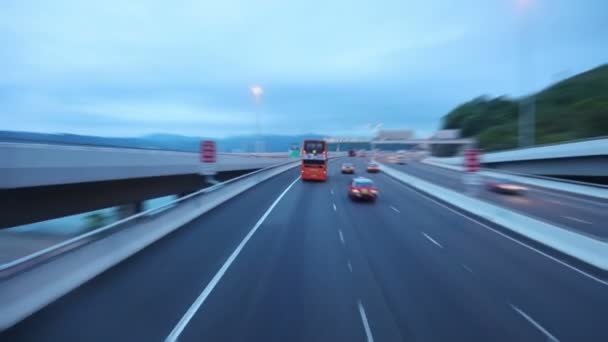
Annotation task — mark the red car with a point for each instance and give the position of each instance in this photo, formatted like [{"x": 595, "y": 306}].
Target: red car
[
  {"x": 362, "y": 189},
  {"x": 504, "y": 186},
  {"x": 373, "y": 168}
]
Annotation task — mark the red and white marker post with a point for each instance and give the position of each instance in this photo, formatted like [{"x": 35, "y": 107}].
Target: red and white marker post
[
  {"x": 472, "y": 164},
  {"x": 208, "y": 157}
]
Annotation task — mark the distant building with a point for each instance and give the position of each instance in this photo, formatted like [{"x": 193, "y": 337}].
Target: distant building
[
  {"x": 347, "y": 143},
  {"x": 394, "y": 134},
  {"x": 448, "y": 143},
  {"x": 446, "y": 134},
  {"x": 332, "y": 140}
]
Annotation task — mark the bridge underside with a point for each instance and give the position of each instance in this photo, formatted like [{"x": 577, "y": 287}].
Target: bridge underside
[{"x": 34, "y": 204}]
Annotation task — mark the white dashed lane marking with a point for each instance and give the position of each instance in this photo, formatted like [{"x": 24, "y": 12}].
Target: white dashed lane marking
[{"x": 432, "y": 240}]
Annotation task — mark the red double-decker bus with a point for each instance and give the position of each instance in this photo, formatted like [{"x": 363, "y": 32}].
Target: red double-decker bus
[{"x": 314, "y": 160}]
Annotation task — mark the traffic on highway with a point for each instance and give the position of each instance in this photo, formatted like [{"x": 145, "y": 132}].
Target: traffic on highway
[
  {"x": 277, "y": 171},
  {"x": 584, "y": 214},
  {"x": 302, "y": 261}
]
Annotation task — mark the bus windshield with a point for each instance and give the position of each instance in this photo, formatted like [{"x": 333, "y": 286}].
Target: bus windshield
[
  {"x": 314, "y": 160},
  {"x": 314, "y": 147}
]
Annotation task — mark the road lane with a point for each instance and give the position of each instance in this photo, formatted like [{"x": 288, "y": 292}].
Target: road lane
[
  {"x": 583, "y": 214},
  {"x": 200, "y": 300},
  {"x": 426, "y": 295},
  {"x": 323, "y": 268},
  {"x": 142, "y": 298},
  {"x": 568, "y": 304},
  {"x": 574, "y": 199},
  {"x": 291, "y": 282}
]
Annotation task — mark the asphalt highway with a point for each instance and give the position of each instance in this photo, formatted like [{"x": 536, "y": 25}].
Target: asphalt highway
[
  {"x": 584, "y": 214},
  {"x": 299, "y": 261}
]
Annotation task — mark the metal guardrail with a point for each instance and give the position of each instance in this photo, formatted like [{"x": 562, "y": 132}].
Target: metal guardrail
[
  {"x": 553, "y": 179},
  {"x": 126, "y": 147},
  {"x": 151, "y": 149},
  {"x": 73, "y": 143},
  {"x": 140, "y": 148},
  {"x": 598, "y": 191},
  {"x": 554, "y": 144},
  {"x": 29, "y": 165},
  {"x": 569, "y": 149},
  {"x": 437, "y": 162},
  {"x": 63, "y": 247}
]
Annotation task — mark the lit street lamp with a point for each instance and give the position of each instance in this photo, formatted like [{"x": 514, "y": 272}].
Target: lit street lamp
[{"x": 257, "y": 92}]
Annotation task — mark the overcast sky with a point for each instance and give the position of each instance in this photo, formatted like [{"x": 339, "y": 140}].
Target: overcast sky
[{"x": 127, "y": 68}]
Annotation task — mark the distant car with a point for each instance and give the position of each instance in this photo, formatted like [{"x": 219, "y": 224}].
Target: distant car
[
  {"x": 361, "y": 153},
  {"x": 352, "y": 153},
  {"x": 362, "y": 189},
  {"x": 373, "y": 168},
  {"x": 504, "y": 186},
  {"x": 348, "y": 168},
  {"x": 392, "y": 159}
]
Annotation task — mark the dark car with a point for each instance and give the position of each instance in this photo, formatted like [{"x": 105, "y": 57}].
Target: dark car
[
  {"x": 373, "y": 168},
  {"x": 362, "y": 189},
  {"x": 352, "y": 153}
]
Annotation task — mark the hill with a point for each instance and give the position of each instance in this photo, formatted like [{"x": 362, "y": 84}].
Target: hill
[{"x": 574, "y": 108}]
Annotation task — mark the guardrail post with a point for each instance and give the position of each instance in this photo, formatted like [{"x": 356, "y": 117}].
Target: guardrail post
[{"x": 130, "y": 209}]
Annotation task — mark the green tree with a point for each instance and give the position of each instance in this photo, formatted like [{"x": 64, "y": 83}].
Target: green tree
[{"x": 574, "y": 108}]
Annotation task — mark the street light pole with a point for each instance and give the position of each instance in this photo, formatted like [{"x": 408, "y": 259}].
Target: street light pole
[
  {"x": 527, "y": 104},
  {"x": 527, "y": 121},
  {"x": 374, "y": 129},
  {"x": 257, "y": 92},
  {"x": 258, "y": 136}
]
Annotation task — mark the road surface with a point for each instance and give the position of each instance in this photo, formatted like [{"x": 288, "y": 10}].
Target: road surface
[
  {"x": 586, "y": 215},
  {"x": 298, "y": 261}
]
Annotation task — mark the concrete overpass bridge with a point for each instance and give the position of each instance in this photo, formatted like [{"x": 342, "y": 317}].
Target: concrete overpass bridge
[{"x": 265, "y": 256}]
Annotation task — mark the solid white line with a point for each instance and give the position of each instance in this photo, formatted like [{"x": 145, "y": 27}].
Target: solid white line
[
  {"x": 350, "y": 267},
  {"x": 467, "y": 268},
  {"x": 334, "y": 204},
  {"x": 341, "y": 236},
  {"x": 590, "y": 276},
  {"x": 431, "y": 239},
  {"x": 535, "y": 324},
  {"x": 368, "y": 331},
  {"x": 575, "y": 219},
  {"x": 395, "y": 209},
  {"x": 181, "y": 325}
]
